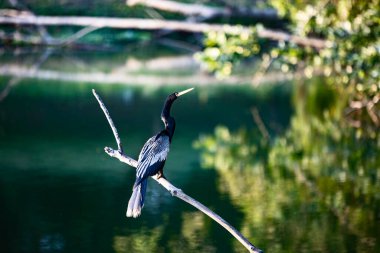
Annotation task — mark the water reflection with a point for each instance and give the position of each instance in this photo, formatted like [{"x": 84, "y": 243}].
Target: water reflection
[
  {"x": 151, "y": 65},
  {"x": 52, "y": 243},
  {"x": 313, "y": 188}
]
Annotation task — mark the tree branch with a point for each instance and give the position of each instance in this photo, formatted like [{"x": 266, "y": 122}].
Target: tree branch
[
  {"x": 43, "y": 34},
  {"x": 112, "y": 125},
  {"x": 76, "y": 36},
  {"x": 182, "y": 8},
  {"x": 260, "y": 124},
  {"x": 152, "y": 24},
  {"x": 174, "y": 191},
  {"x": 189, "y": 9},
  {"x": 118, "y": 23}
]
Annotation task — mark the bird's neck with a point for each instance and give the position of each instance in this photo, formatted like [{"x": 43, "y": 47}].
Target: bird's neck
[
  {"x": 166, "y": 118},
  {"x": 170, "y": 128},
  {"x": 165, "y": 114}
]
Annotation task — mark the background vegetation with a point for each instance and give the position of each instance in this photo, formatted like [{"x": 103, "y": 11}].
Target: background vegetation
[{"x": 293, "y": 162}]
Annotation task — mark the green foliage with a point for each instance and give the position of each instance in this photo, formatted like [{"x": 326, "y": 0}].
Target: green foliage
[
  {"x": 223, "y": 49},
  {"x": 351, "y": 55}
]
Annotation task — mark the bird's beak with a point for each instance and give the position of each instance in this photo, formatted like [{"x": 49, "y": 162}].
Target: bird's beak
[{"x": 184, "y": 92}]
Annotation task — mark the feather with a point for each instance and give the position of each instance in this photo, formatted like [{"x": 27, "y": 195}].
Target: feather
[
  {"x": 152, "y": 156},
  {"x": 136, "y": 202},
  {"x": 151, "y": 160}
]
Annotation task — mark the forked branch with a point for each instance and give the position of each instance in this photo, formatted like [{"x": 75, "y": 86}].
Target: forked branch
[{"x": 174, "y": 191}]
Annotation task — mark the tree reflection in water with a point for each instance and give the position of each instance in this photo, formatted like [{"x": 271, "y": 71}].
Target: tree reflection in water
[{"x": 314, "y": 187}]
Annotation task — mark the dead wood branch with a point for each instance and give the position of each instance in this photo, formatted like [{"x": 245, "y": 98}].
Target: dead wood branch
[
  {"x": 188, "y": 9},
  {"x": 118, "y": 23},
  {"x": 174, "y": 191},
  {"x": 151, "y": 24},
  {"x": 44, "y": 36}
]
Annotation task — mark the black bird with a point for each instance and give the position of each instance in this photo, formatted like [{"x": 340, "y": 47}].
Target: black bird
[{"x": 152, "y": 157}]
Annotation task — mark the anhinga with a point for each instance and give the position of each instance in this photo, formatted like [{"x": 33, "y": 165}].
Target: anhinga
[{"x": 152, "y": 157}]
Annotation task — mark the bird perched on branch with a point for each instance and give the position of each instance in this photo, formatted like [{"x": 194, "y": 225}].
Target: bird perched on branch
[{"x": 152, "y": 157}]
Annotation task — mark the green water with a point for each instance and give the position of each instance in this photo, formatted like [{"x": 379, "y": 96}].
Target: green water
[{"x": 59, "y": 192}]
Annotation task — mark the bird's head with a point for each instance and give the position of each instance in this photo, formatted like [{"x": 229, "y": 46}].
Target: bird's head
[
  {"x": 180, "y": 93},
  {"x": 176, "y": 95},
  {"x": 171, "y": 98}
]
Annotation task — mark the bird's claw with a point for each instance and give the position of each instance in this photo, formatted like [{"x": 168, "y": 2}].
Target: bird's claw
[{"x": 160, "y": 175}]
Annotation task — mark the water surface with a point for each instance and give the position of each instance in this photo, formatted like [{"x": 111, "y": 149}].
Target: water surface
[{"x": 60, "y": 192}]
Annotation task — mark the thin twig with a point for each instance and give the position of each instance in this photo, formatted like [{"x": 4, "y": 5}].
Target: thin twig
[
  {"x": 259, "y": 122},
  {"x": 76, "y": 36},
  {"x": 112, "y": 125},
  {"x": 174, "y": 191},
  {"x": 12, "y": 82}
]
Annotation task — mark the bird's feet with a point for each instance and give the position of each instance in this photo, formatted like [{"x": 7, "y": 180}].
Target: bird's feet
[{"x": 160, "y": 174}]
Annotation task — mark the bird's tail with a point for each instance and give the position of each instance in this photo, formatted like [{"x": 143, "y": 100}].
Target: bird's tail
[{"x": 136, "y": 202}]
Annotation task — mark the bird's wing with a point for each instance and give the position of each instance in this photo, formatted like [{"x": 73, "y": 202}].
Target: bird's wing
[
  {"x": 152, "y": 157},
  {"x": 148, "y": 144}
]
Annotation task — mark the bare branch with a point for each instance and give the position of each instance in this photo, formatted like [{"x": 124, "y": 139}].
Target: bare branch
[
  {"x": 189, "y": 9},
  {"x": 260, "y": 124},
  {"x": 122, "y": 157},
  {"x": 44, "y": 35},
  {"x": 182, "y": 8},
  {"x": 174, "y": 191},
  {"x": 118, "y": 23},
  {"x": 81, "y": 33},
  {"x": 152, "y": 24},
  {"x": 112, "y": 125}
]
